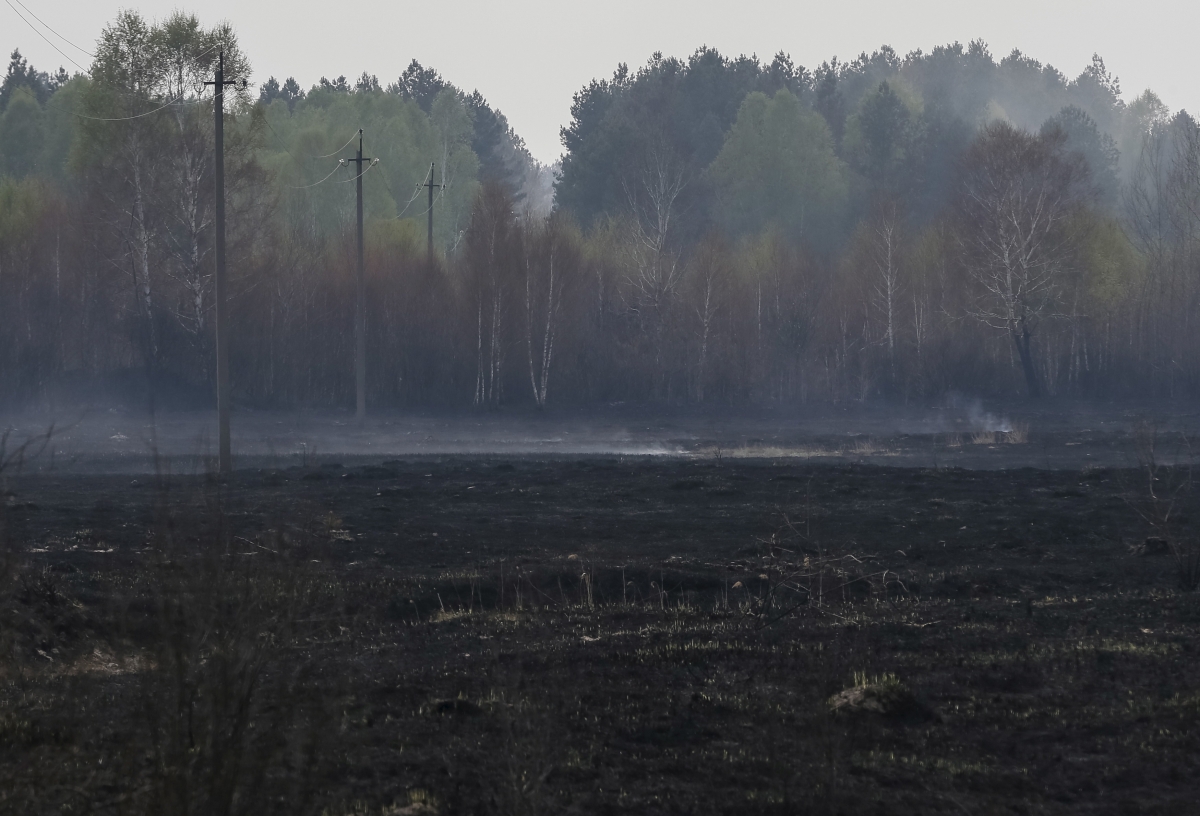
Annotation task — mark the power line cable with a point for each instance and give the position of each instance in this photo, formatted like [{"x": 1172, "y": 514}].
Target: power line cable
[
  {"x": 285, "y": 149},
  {"x": 441, "y": 193},
  {"x": 47, "y": 25},
  {"x": 409, "y": 204},
  {"x": 170, "y": 102},
  {"x": 416, "y": 193},
  {"x": 315, "y": 183},
  {"x": 37, "y": 31},
  {"x": 392, "y": 193},
  {"x": 388, "y": 185},
  {"x": 340, "y": 149},
  {"x": 167, "y": 104},
  {"x": 297, "y": 160},
  {"x": 293, "y": 155},
  {"x": 360, "y": 175},
  {"x": 101, "y": 118},
  {"x": 279, "y": 138}
]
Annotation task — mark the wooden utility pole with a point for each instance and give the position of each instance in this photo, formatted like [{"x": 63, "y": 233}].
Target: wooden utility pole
[
  {"x": 360, "y": 314},
  {"x": 431, "y": 184},
  {"x": 225, "y": 458}
]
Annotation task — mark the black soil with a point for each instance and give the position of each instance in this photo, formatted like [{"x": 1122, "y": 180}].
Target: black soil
[{"x": 602, "y": 635}]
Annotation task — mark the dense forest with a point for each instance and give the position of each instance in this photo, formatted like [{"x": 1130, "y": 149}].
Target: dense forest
[{"x": 719, "y": 230}]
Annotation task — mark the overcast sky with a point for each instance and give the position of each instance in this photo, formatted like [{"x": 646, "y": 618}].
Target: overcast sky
[{"x": 528, "y": 57}]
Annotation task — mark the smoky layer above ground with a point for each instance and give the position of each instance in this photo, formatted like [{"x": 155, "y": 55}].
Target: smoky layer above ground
[{"x": 957, "y": 432}]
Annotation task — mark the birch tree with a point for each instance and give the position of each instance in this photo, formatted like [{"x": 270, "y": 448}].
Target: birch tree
[
  {"x": 1018, "y": 198},
  {"x": 126, "y": 85},
  {"x": 188, "y": 54},
  {"x": 148, "y": 154},
  {"x": 653, "y": 269},
  {"x": 553, "y": 262},
  {"x": 886, "y": 268},
  {"x": 492, "y": 251},
  {"x": 709, "y": 284}
]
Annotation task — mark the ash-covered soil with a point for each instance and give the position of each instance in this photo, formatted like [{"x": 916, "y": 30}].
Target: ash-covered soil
[{"x": 605, "y": 634}]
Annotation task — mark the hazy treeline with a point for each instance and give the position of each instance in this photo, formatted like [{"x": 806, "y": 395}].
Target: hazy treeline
[{"x": 721, "y": 230}]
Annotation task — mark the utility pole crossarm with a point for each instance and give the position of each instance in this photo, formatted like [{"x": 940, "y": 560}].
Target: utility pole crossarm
[{"x": 431, "y": 184}]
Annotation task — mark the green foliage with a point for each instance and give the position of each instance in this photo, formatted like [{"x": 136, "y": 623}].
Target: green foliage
[
  {"x": 22, "y": 204},
  {"x": 901, "y": 123},
  {"x": 778, "y": 168},
  {"x": 62, "y": 128},
  {"x": 880, "y": 136},
  {"x": 393, "y": 237},
  {"x": 21, "y": 77},
  {"x": 420, "y": 84},
  {"x": 1110, "y": 266},
  {"x": 397, "y": 132},
  {"x": 784, "y": 168},
  {"x": 21, "y": 133},
  {"x": 684, "y": 107}
]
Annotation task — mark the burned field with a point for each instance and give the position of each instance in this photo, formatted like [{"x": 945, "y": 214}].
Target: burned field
[{"x": 599, "y": 635}]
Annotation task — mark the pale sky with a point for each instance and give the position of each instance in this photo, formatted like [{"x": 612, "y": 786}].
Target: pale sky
[{"x": 527, "y": 57}]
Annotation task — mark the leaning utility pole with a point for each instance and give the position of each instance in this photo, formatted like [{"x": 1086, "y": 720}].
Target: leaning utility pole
[
  {"x": 360, "y": 315},
  {"x": 431, "y": 184},
  {"x": 225, "y": 458}
]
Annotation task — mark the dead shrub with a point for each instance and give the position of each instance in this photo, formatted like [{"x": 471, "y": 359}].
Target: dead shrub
[
  {"x": 1166, "y": 490},
  {"x": 231, "y": 718},
  {"x": 30, "y": 601},
  {"x": 797, "y": 573}
]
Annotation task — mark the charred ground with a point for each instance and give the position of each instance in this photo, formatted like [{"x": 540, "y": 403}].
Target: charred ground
[{"x": 599, "y": 635}]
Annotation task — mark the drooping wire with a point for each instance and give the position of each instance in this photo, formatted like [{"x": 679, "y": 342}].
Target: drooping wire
[
  {"x": 360, "y": 175},
  {"x": 296, "y": 158},
  {"x": 408, "y": 204},
  {"x": 102, "y": 118},
  {"x": 416, "y": 191},
  {"x": 37, "y": 31},
  {"x": 340, "y": 149},
  {"x": 279, "y": 138},
  {"x": 47, "y": 25},
  {"x": 166, "y": 104},
  {"x": 387, "y": 185},
  {"x": 441, "y": 192},
  {"x": 392, "y": 193},
  {"x": 445, "y": 185},
  {"x": 315, "y": 183}
]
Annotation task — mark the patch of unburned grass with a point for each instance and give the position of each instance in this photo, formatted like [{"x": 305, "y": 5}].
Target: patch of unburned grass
[
  {"x": 922, "y": 765},
  {"x": 781, "y": 452}
]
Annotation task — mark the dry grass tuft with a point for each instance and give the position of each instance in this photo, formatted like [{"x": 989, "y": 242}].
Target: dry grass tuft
[
  {"x": 1019, "y": 434},
  {"x": 864, "y": 446}
]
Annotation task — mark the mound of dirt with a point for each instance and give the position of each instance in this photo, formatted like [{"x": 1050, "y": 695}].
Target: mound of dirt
[{"x": 885, "y": 697}]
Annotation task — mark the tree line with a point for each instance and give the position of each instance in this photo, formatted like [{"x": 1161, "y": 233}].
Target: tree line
[{"x": 720, "y": 230}]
